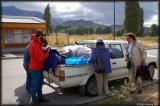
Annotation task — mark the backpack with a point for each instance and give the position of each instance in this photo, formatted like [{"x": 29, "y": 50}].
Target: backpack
[{"x": 99, "y": 64}]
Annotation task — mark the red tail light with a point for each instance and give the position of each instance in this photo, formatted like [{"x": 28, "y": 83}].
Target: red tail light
[{"x": 61, "y": 75}]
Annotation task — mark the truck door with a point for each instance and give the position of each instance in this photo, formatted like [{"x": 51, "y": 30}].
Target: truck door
[{"x": 117, "y": 56}]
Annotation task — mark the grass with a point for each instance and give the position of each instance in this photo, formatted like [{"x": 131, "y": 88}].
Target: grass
[
  {"x": 118, "y": 96},
  {"x": 62, "y": 39}
]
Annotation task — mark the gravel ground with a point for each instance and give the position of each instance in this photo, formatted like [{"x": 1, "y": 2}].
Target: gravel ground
[{"x": 149, "y": 95}]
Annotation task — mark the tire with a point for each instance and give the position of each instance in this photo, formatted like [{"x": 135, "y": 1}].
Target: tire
[
  {"x": 151, "y": 69},
  {"x": 81, "y": 90},
  {"x": 91, "y": 87}
]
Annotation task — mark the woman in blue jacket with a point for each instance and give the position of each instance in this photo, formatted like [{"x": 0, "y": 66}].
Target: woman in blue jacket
[{"x": 101, "y": 53}]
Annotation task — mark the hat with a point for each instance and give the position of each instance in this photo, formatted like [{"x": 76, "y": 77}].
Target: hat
[
  {"x": 131, "y": 35},
  {"x": 99, "y": 39}
]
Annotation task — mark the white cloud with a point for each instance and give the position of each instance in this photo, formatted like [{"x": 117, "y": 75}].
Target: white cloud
[
  {"x": 99, "y": 12},
  {"x": 66, "y": 6},
  {"x": 153, "y": 20}
]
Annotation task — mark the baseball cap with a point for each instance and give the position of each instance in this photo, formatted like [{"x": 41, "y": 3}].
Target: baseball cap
[{"x": 99, "y": 39}]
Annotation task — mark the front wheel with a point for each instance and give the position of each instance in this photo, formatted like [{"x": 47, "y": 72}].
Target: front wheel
[{"x": 91, "y": 87}]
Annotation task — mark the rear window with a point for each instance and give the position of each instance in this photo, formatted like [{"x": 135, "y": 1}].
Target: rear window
[{"x": 116, "y": 51}]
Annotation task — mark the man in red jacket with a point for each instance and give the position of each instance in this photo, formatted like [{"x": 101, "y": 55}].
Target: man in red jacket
[{"x": 37, "y": 57}]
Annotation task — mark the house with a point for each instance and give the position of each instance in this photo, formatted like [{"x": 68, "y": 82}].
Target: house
[{"x": 16, "y": 30}]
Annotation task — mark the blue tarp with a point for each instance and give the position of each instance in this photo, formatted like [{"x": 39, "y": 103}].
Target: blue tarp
[{"x": 76, "y": 60}]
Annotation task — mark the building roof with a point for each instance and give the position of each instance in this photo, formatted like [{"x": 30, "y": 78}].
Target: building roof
[{"x": 21, "y": 19}]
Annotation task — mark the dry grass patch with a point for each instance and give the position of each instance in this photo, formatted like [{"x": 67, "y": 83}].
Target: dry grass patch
[{"x": 62, "y": 39}]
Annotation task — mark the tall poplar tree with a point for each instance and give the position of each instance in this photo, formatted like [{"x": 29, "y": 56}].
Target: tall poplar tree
[
  {"x": 141, "y": 21},
  {"x": 47, "y": 18},
  {"x": 132, "y": 13}
]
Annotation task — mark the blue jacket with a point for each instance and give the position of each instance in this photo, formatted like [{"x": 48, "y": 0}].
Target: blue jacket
[
  {"x": 52, "y": 61},
  {"x": 105, "y": 55},
  {"x": 26, "y": 58}
]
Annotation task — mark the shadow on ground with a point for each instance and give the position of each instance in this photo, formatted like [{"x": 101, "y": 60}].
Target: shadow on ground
[{"x": 22, "y": 95}]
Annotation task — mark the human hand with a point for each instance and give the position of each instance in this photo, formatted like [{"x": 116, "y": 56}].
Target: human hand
[{"x": 48, "y": 49}]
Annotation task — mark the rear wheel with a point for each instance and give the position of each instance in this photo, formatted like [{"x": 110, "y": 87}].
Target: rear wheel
[
  {"x": 151, "y": 69},
  {"x": 81, "y": 90},
  {"x": 91, "y": 87}
]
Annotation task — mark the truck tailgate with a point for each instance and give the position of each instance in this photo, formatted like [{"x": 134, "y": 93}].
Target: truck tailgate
[{"x": 69, "y": 76}]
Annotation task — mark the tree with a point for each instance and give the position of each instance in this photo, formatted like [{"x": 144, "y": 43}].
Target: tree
[
  {"x": 70, "y": 31},
  {"x": 91, "y": 30},
  {"x": 120, "y": 32},
  {"x": 47, "y": 18},
  {"x": 132, "y": 13},
  {"x": 141, "y": 21},
  {"x": 107, "y": 30},
  {"x": 99, "y": 30},
  {"x": 85, "y": 30},
  {"x": 154, "y": 30}
]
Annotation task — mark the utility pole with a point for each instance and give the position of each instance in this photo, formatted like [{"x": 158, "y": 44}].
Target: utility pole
[
  {"x": 56, "y": 35},
  {"x": 67, "y": 38},
  {"x": 114, "y": 21}
]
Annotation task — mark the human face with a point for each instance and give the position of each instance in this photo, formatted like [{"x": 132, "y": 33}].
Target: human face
[
  {"x": 41, "y": 38},
  {"x": 129, "y": 40}
]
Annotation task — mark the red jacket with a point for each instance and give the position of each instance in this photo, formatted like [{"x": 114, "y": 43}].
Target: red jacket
[{"x": 37, "y": 55}]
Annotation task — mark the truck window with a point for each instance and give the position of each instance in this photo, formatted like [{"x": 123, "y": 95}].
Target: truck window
[
  {"x": 116, "y": 51},
  {"x": 90, "y": 45}
]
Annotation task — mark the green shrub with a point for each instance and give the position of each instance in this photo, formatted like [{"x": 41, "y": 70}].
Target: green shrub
[{"x": 122, "y": 96}]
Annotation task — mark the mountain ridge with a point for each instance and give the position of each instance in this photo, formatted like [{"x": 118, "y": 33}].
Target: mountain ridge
[{"x": 13, "y": 10}]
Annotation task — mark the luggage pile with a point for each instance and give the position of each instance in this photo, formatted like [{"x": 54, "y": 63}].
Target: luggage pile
[{"x": 76, "y": 54}]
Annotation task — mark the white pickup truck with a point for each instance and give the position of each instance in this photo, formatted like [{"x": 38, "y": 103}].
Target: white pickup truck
[{"x": 83, "y": 75}]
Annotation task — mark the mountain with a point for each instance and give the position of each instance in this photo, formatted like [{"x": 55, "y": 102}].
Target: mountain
[
  {"x": 12, "y": 10},
  {"x": 81, "y": 22},
  {"x": 56, "y": 21},
  {"x": 117, "y": 27},
  {"x": 76, "y": 23}
]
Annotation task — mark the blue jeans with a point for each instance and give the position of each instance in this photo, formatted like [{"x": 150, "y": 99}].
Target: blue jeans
[
  {"x": 28, "y": 79},
  {"x": 36, "y": 84}
]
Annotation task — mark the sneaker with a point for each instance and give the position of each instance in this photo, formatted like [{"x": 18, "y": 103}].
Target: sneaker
[{"x": 43, "y": 100}]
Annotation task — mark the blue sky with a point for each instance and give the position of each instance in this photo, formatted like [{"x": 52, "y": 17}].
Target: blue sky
[{"x": 99, "y": 12}]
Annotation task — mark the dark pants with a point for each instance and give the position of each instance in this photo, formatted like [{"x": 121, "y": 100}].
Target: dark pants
[
  {"x": 36, "y": 84},
  {"x": 28, "y": 79}
]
